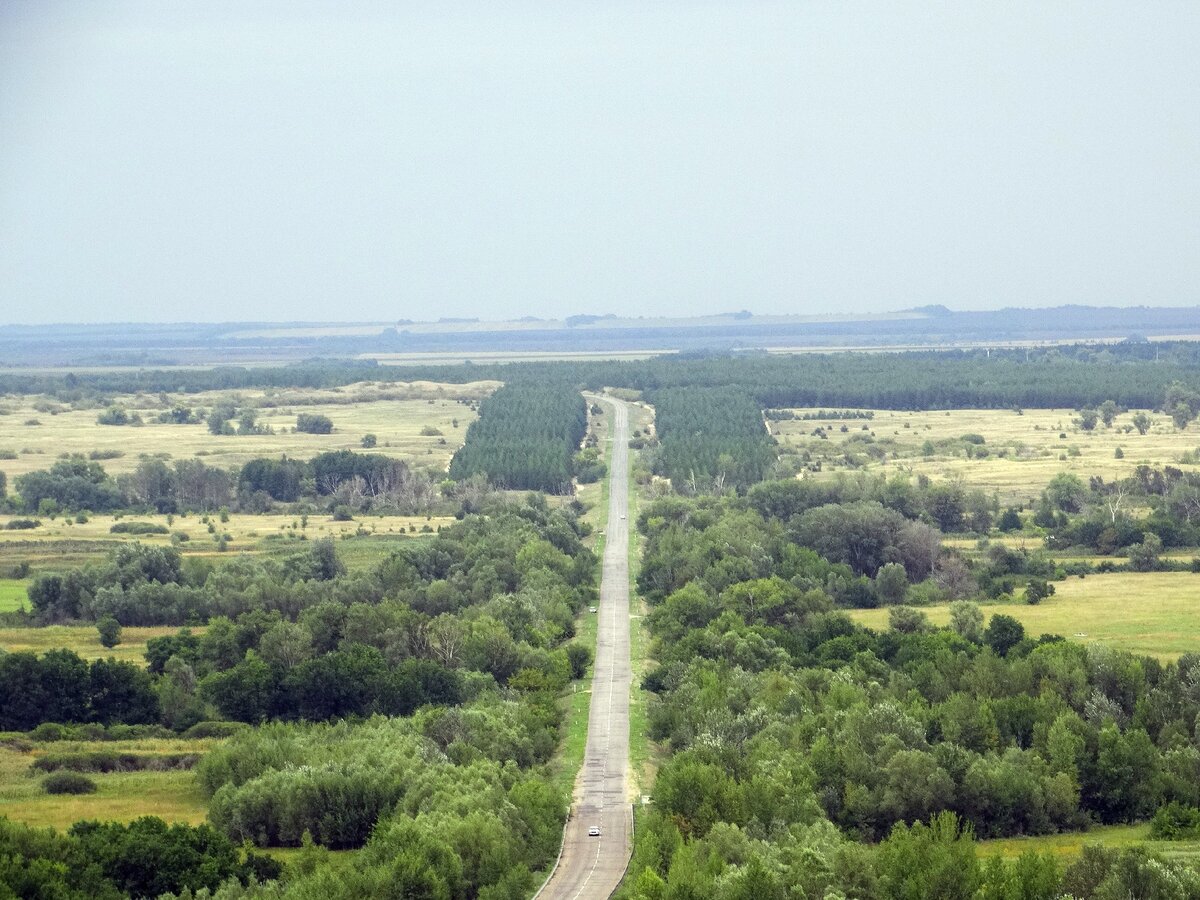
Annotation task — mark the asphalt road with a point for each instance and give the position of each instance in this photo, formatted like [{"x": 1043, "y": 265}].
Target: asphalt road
[{"x": 590, "y": 868}]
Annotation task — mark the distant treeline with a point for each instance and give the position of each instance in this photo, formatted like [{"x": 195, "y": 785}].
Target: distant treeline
[
  {"x": 1133, "y": 374},
  {"x": 525, "y": 438},
  {"x": 356, "y": 481}
]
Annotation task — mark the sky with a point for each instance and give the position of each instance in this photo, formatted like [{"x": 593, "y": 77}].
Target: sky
[{"x": 222, "y": 161}]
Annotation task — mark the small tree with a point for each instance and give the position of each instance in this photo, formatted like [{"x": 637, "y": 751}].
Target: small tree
[
  {"x": 1181, "y": 415},
  {"x": 1141, "y": 422},
  {"x": 1108, "y": 411},
  {"x": 368, "y": 441},
  {"x": 1010, "y": 520},
  {"x": 1143, "y": 557},
  {"x": 218, "y": 419},
  {"x": 907, "y": 620},
  {"x": 1087, "y": 419},
  {"x": 1003, "y": 633},
  {"x": 966, "y": 619},
  {"x": 891, "y": 584},
  {"x": 110, "y": 631},
  {"x": 580, "y": 657},
  {"x": 1038, "y": 590}
]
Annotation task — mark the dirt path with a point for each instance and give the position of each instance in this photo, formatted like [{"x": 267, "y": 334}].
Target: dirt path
[{"x": 591, "y": 867}]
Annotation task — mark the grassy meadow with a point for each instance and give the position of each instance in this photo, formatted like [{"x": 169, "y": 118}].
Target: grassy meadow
[
  {"x": 1024, "y": 450},
  {"x": 35, "y": 430},
  {"x": 1067, "y": 846},
  {"x": 172, "y": 795},
  {"x": 1154, "y": 613},
  {"x": 12, "y": 594}
]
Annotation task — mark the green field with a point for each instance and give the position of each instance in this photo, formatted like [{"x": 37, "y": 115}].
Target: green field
[
  {"x": 12, "y": 594},
  {"x": 1154, "y": 613},
  {"x": 394, "y": 413},
  {"x": 1067, "y": 846},
  {"x": 120, "y": 796},
  {"x": 1024, "y": 450}
]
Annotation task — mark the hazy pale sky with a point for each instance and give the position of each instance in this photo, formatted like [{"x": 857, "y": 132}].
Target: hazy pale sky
[{"x": 349, "y": 161}]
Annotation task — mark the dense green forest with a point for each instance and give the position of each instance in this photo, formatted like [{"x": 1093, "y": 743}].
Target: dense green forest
[
  {"x": 710, "y": 438},
  {"x": 1134, "y": 374},
  {"x": 795, "y": 734},
  {"x": 441, "y": 668},
  {"x": 525, "y": 438}
]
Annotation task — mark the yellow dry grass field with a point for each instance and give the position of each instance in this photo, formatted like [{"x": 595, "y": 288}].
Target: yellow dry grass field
[
  {"x": 1024, "y": 450},
  {"x": 173, "y": 796},
  {"x": 395, "y": 413},
  {"x": 246, "y": 532},
  {"x": 85, "y": 640},
  {"x": 1152, "y": 613}
]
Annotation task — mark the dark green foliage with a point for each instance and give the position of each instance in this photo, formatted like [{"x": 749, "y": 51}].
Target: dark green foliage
[
  {"x": 1175, "y": 821},
  {"x": 580, "y": 658},
  {"x": 60, "y": 687},
  {"x": 280, "y": 479},
  {"x": 110, "y": 631},
  {"x": 1010, "y": 520},
  {"x": 775, "y": 708},
  {"x": 1003, "y": 633},
  {"x": 310, "y": 423},
  {"x": 139, "y": 528},
  {"x": 1133, "y": 375},
  {"x": 147, "y": 857},
  {"x": 68, "y": 783},
  {"x": 115, "y": 415},
  {"x": 525, "y": 438},
  {"x": 101, "y": 761},
  {"x": 73, "y": 483},
  {"x": 711, "y": 439}
]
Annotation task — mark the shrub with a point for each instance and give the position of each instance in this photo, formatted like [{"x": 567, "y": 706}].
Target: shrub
[
  {"x": 1175, "y": 822},
  {"x": 139, "y": 528},
  {"x": 114, "y": 415},
  {"x": 110, "y": 631},
  {"x": 50, "y": 731},
  {"x": 368, "y": 441},
  {"x": 214, "y": 730},
  {"x": 68, "y": 783},
  {"x": 105, "y": 761},
  {"x": 314, "y": 424},
  {"x": 342, "y": 513},
  {"x": 430, "y": 431},
  {"x": 22, "y": 524}
]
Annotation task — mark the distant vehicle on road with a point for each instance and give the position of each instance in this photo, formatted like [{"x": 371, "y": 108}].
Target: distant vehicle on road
[{"x": 594, "y": 831}]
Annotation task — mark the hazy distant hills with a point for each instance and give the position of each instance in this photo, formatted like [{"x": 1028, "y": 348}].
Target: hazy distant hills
[{"x": 242, "y": 342}]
